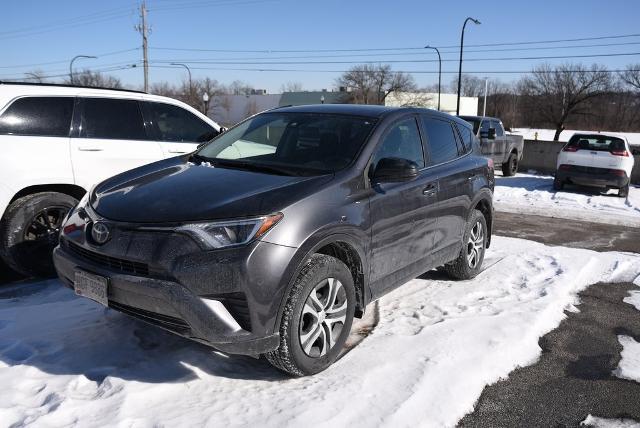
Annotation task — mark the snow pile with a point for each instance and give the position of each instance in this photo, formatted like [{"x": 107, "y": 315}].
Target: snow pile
[
  {"x": 592, "y": 421},
  {"x": 67, "y": 361},
  {"x": 629, "y": 365},
  {"x": 534, "y": 194},
  {"x": 633, "y": 299},
  {"x": 548, "y": 134}
]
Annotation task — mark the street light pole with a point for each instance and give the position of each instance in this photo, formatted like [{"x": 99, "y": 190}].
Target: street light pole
[
  {"x": 475, "y": 21},
  {"x": 71, "y": 65},
  {"x": 439, "y": 71},
  {"x": 188, "y": 71}
]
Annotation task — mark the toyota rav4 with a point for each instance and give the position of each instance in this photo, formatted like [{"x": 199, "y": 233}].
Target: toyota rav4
[{"x": 272, "y": 237}]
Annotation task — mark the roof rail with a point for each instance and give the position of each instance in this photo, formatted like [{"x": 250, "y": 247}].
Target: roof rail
[{"x": 66, "y": 85}]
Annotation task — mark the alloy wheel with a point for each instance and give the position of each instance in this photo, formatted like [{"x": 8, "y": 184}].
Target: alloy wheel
[
  {"x": 43, "y": 230},
  {"x": 475, "y": 245},
  {"x": 323, "y": 317}
]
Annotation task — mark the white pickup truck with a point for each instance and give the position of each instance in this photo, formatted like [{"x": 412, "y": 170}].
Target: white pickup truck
[
  {"x": 57, "y": 141},
  {"x": 505, "y": 150}
]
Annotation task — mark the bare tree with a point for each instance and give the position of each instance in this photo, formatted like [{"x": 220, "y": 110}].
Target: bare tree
[
  {"x": 37, "y": 76},
  {"x": 95, "y": 79},
  {"x": 371, "y": 84},
  {"x": 238, "y": 87},
  {"x": 631, "y": 76},
  {"x": 555, "y": 94},
  {"x": 252, "y": 108},
  {"x": 291, "y": 87},
  {"x": 471, "y": 86}
]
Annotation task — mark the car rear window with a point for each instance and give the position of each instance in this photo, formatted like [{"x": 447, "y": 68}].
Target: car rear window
[
  {"x": 38, "y": 116},
  {"x": 600, "y": 143}
]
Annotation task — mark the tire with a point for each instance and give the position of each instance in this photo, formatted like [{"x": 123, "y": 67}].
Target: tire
[
  {"x": 623, "y": 192},
  {"x": 558, "y": 184},
  {"x": 28, "y": 236},
  {"x": 463, "y": 267},
  {"x": 292, "y": 356},
  {"x": 510, "y": 167}
]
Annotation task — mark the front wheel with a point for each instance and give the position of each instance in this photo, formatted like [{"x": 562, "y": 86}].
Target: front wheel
[
  {"x": 317, "y": 317},
  {"x": 469, "y": 261},
  {"x": 29, "y": 232},
  {"x": 510, "y": 167}
]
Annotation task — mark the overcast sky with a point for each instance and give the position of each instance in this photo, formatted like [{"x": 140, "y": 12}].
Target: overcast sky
[{"x": 45, "y": 35}]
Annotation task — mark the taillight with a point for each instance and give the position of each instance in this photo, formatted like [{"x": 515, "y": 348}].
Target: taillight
[
  {"x": 620, "y": 153},
  {"x": 618, "y": 172},
  {"x": 571, "y": 149},
  {"x": 564, "y": 167}
]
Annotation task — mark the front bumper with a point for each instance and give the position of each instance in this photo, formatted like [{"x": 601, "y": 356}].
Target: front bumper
[
  {"x": 228, "y": 299},
  {"x": 596, "y": 177}
]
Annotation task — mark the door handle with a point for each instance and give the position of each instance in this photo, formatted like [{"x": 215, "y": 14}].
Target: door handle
[
  {"x": 430, "y": 190},
  {"x": 177, "y": 151},
  {"x": 90, "y": 149}
]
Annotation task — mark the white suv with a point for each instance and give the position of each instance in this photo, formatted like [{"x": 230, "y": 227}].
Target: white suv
[
  {"x": 601, "y": 160},
  {"x": 57, "y": 141}
]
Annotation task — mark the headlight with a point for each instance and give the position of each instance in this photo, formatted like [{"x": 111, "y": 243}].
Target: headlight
[{"x": 230, "y": 233}]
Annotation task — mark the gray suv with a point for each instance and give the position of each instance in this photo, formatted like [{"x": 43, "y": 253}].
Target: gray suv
[{"x": 272, "y": 237}]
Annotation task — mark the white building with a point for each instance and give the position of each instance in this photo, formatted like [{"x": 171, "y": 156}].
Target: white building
[
  {"x": 468, "y": 105},
  {"x": 231, "y": 109}
]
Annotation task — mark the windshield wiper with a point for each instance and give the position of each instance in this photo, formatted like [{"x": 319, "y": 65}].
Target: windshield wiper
[{"x": 252, "y": 166}]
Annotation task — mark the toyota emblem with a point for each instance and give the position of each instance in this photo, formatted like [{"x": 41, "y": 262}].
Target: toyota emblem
[{"x": 100, "y": 233}]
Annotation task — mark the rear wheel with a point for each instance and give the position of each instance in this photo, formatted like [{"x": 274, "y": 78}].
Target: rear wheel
[
  {"x": 317, "y": 317},
  {"x": 29, "y": 232},
  {"x": 623, "y": 192},
  {"x": 469, "y": 261},
  {"x": 510, "y": 167},
  {"x": 558, "y": 184}
]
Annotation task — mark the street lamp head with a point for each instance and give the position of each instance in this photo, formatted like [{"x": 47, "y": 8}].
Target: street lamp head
[{"x": 475, "y": 21}]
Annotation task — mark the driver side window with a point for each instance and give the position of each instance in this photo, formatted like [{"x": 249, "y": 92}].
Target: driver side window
[{"x": 401, "y": 141}]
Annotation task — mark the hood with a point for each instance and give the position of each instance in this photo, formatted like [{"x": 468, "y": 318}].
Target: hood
[{"x": 176, "y": 190}]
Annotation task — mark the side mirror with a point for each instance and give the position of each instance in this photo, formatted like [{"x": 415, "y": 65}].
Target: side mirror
[
  {"x": 222, "y": 130},
  {"x": 395, "y": 170}
]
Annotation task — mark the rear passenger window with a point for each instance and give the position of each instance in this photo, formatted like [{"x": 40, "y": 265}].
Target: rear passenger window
[
  {"x": 401, "y": 141},
  {"x": 173, "y": 123},
  {"x": 441, "y": 140},
  {"x": 41, "y": 116},
  {"x": 498, "y": 127},
  {"x": 467, "y": 137},
  {"x": 112, "y": 119}
]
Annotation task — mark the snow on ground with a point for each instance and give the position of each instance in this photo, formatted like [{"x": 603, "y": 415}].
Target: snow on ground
[
  {"x": 66, "y": 361},
  {"x": 629, "y": 365},
  {"x": 592, "y": 421},
  {"x": 634, "y": 297},
  {"x": 534, "y": 194},
  {"x": 548, "y": 134}
]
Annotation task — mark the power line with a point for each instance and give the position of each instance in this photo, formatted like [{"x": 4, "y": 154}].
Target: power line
[
  {"x": 392, "y": 48},
  {"x": 66, "y": 61},
  {"x": 401, "y": 71},
  {"x": 225, "y": 62}
]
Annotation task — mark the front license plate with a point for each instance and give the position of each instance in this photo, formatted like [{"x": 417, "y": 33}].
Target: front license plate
[{"x": 94, "y": 287}]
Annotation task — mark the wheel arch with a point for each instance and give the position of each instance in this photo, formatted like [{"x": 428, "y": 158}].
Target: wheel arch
[
  {"x": 484, "y": 203},
  {"x": 345, "y": 248},
  {"x": 72, "y": 190}
]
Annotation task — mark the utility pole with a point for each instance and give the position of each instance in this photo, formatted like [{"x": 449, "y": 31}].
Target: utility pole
[
  {"x": 143, "y": 29},
  {"x": 475, "y": 21}
]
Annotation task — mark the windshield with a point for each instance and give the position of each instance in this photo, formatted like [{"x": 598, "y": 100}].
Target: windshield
[
  {"x": 600, "y": 143},
  {"x": 302, "y": 143}
]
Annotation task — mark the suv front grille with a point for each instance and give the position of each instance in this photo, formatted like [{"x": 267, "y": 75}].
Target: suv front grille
[{"x": 123, "y": 265}]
